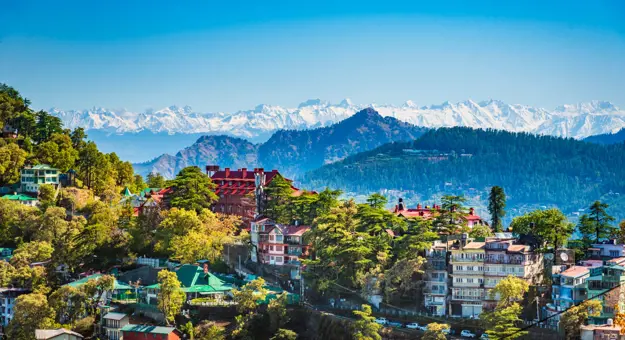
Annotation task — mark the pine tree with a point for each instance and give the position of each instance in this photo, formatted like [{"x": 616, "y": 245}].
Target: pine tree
[
  {"x": 496, "y": 207},
  {"x": 597, "y": 223}
]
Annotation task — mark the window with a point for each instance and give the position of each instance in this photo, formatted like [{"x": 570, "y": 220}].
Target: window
[
  {"x": 614, "y": 253},
  {"x": 272, "y": 258},
  {"x": 278, "y": 248},
  {"x": 469, "y": 280},
  {"x": 271, "y": 238},
  {"x": 279, "y": 259},
  {"x": 459, "y": 280},
  {"x": 271, "y": 248},
  {"x": 458, "y": 267},
  {"x": 279, "y": 238}
]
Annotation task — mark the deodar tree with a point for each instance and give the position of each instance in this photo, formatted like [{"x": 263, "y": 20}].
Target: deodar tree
[
  {"x": 192, "y": 190},
  {"x": 365, "y": 328},
  {"x": 170, "y": 296},
  {"x": 596, "y": 225},
  {"x": 496, "y": 207}
]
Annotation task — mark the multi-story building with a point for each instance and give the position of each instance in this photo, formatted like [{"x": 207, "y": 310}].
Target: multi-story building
[
  {"x": 7, "y": 301},
  {"x": 569, "y": 287},
  {"x": 112, "y": 323},
  {"x": 607, "y": 284},
  {"x": 504, "y": 258},
  {"x": 467, "y": 277},
  {"x": 278, "y": 245},
  {"x": 607, "y": 250},
  {"x": 33, "y": 177},
  {"x": 241, "y": 192},
  {"x": 436, "y": 278}
]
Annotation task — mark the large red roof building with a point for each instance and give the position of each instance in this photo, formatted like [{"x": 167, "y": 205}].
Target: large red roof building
[
  {"x": 240, "y": 191},
  {"x": 427, "y": 212}
]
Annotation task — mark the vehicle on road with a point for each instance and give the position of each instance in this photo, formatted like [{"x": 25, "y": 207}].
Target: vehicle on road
[
  {"x": 484, "y": 336},
  {"x": 446, "y": 331},
  {"x": 423, "y": 328},
  {"x": 467, "y": 334},
  {"x": 412, "y": 325},
  {"x": 395, "y": 324},
  {"x": 381, "y": 321}
]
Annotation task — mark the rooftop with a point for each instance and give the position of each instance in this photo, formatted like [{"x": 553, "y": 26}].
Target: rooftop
[
  {"x": 114, "y": 316},
  {"x": 78, "y": 283},
  {"x": 148, "y": 329},
  {"x": 19, "y": 197},
  {"x": 194, "y": 279},
  {"x": 44, "y": 334},
  {"x": 575, "y": 271},
  {"x": 475, "y": 245}
]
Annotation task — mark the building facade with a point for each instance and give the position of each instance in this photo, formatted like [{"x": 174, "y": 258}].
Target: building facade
[
  {"x": 7, "y": 302},
  {"x": 436, "y": 278},
  {"x": 467, "y": 278},
  {"x": 279, "y": 245},
  {"x": 112, "y": 323},
  {"x": 33, "y": 177}
]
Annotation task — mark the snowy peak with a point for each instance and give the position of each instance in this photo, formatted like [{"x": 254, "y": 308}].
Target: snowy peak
[{"x": 257, "y": 124}]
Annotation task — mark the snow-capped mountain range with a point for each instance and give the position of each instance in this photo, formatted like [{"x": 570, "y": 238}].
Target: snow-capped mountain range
[{"x": 577, "y": 121}]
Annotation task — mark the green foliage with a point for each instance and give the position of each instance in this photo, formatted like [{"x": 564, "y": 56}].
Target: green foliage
[
  {"x": 596, "y": 225},
  {"x": 11, "y": 161},
  {"x": 31, "y": 312},
  {"x": 46, "y": 195},
  {"x": 573, "y": 319},
  {"x": 511, "y": 290},
  {"x": 480, "y": 230},
  {"x": 170, "y": 295},
  {"x": 496, "y": 207},
  {"x": 58, "y": 152},
  {"x": 534, "y": 170},
  {"x": 192, "y": 190},
  {"x": 435, "y": 331},
  {"x": 402, "y": 280},
  {"x": 365, "y": 328},
  {"x": 278, "y": 194},
  {"x": 550, "y": 226},
  {"x": 451, "y": 219},
  {"x": 249, "y": 295},
  {"x": 504, "y": 322},
  {"x": 276, "y": 310},
  {"x": 155, "y": 180},
  {"x": 284, "y": 334},
  {"x": 207, "y": 330}
]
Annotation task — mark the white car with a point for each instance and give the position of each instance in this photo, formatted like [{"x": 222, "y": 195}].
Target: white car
[
  {"x": 381, "y": 321},
  {"x": 467, "y": 334},
  {"x": 446, "y": 331},
  {"x": 412, "y": 325},
  {"x": 423, "y": 328},
  {"x": 484, "y": 336}
]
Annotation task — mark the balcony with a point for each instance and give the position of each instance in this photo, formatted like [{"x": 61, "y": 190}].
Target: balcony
[
  {"x": 467, "y": 272},
  {"x": 467, "y": 298},
  {"x": 293, "y": 263},
  {"x": 505, "y": 261},
  {"x": 470, "y": 259},
  {"x": 293, "y": 241},
  {"x": 294, "y": 251},
  {"x": 437, "y": 279},
  {"x": 437, "y": 265}
]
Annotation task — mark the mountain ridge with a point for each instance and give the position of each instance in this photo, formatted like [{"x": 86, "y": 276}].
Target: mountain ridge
[
  {"x": 577, "y": 121},
  {"x": 291, "y": 151}
]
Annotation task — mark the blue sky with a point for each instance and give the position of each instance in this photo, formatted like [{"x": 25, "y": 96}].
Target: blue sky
[{"x": 231, "y": 55}]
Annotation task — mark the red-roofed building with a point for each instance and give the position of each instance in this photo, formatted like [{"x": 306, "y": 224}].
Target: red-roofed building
[
  {"x": 427, "y": 212},
  {"x": 278, "y": 245},
  {"x": 240, "y": 191}
]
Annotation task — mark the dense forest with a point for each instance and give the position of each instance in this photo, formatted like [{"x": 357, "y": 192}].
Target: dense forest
[
  {"x": 607, "y": 138},
  {"x": 535, "y": 170}
]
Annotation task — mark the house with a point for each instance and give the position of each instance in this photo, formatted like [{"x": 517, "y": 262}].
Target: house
[
  {"x": 6, "y": 253},
  {"x": 9, "y": 132},
  {"x": 569, "y": 287},
  {"x": 607, "y": 284},
  {"x": 467, "y": 277},
  {"x": 112, "y": 323},
  {"x": 22, "y": 199},
  {"x": 57, "y": 334},
  {"x": 279, "y": 245},
  {"x": 505, "y": 257},
  {"x": 121, "y": 291},
  {"x": 606, "y": 331},
  {"x": 427, "y": 212},
  {"x": 134, "y": 200},
  {"x": 607, "y": 250},
  {"x": 144, "y": 332},
  {"x": 7, "y": 301},
  {"x": 33, "y": 177},
  {"x": 152, "y": 199},
  {"x": 241, "y": 191},
  {"x": 436, "y": 278},
  {"x": 196, "y": 282}
]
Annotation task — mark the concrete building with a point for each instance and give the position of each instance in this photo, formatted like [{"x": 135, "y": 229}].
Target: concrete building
[
  {"x": 144, "y": 332},
  {"x": 22, "y": 199},
  {"x": 112, "y": 323},
  {"x": 278, "y": 245},
  {"x": 33, "y": 177},
  {"x": 569, "y": 287},
  {"x": 7, "y": 301},
  {"x": 57, "y": 334},
  {"x": 467, "y": 277},
  {"x": 436, "y": 290}
]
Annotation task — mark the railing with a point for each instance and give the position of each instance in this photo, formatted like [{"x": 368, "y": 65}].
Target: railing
[
  {"x": 294, "y": 252},
  {"x": 504, "y": 261},
  {"x": 467, "y": 298},
  {"x": 471, "y": 259},
  {"x": 467, "y": 272},
  {"x": 294, "y": 263},
  {"x": 436, "y": 266}
]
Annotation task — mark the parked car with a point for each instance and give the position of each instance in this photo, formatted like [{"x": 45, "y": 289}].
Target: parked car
[
  {"x": 484, "y": 336},
  {"x": 381, "y": 321},
  {"x": 395, "y": 324},
  {"x": 423, "y": 328},
  {"x": 446, "y": 331},
  {"x": 467, "y": 334},
  {"x": 412, "y": 325}
]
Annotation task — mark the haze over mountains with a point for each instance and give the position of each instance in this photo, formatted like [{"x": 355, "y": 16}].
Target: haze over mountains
[
  {"x": 292, "y": 151},
  {"x": 576, "y": 121}
]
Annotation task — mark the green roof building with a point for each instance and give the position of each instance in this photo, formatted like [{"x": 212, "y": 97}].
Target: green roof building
[
  {"x": 195, "y": 283},
  {"x": 22, "y": 199},
  {"x": 32, "y": 177}
]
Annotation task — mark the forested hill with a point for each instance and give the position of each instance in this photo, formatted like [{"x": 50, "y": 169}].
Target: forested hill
[
  {"x": 534, "y": 170},
  {"x": 608, "y": 138}
]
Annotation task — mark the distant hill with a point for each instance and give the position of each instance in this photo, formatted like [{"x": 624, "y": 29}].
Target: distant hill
[
  {"x": 534, "y": 170},
  {"x": 291, "y": 151},
  {"x": 607, "y": 138}
]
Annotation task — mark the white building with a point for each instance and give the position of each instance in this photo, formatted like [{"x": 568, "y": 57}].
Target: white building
[
  {"x": 33, "y": 177},
  {"x": 7, "y": 301},
  {"x": 436, "y": 278}
]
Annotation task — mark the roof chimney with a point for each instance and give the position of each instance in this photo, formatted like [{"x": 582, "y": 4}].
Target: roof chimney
[
  {"x": 471, "y": 211},
  {"x": 610, "y": 322},
  {"x": 418, "y": 206},
  {"x": 400, "y": 204},
  {"x": 274, "y": 171},
  {"x": 244, "y": 171}
]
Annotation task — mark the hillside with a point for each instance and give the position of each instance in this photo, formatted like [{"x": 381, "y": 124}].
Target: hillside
[
  {"x": 534, "y": 170},
  {"x": 607, "y": 138},
  {"x": 223, "y": 150},
  {"x": 291, "y": 151}
]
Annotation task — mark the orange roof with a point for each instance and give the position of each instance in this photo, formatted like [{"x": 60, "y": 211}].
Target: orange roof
[
  {"x": 475, "y": 245},
  {"x": 618, "y": 260},
  {"x": 575, "y": 271},
  {"x": 517, "y": 248}
]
